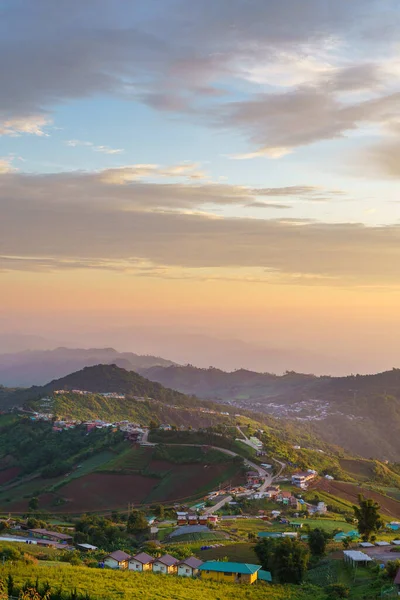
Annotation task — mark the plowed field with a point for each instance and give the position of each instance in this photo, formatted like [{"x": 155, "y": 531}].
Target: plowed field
[{"x": 350, "y": 492}]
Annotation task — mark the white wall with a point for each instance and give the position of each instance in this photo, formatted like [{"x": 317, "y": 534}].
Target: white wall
[
  {"x": 159, "y": 568},
  {"x": 185, "y": 571},
  {"x": 135, "y": 565}
]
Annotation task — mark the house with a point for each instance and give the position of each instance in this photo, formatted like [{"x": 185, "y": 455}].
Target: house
[
  {"x": 141, "y": 562},
  {"x": 181, "y": 518},
  {"x": 253, "y": 477},
  {"x": 54, "y": 536},
  {"x": 86, "y": 547},
  {"x": 284, "y": 497},
  {"x": 203, "y": 519},
  {"x": 165, "y": 564},
  {"x": 229, "y": 571},
  {"x": 302, "y": 478},
  {"x": 189, "y": 567},
  {"x": 117, "y": 560},
  {"x": 272, "y": 491},
  {"x": 192, "y": 519},
  {"x": 213, "y": 518}
]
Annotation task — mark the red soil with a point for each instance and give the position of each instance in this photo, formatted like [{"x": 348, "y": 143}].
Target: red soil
[
  {"x": 101, "y": 491},
  {"x": 9, "y": 474}
]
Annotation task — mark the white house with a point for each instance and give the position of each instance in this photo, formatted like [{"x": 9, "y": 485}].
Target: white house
[
  {"x": 189, "y": 567},
  {"x": 165, "y": 564},
  {"x": 141, "y": 562},
  {"x": 117, "y": 560}
]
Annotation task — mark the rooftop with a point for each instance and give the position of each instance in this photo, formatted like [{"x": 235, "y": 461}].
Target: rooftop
[
  {"x": 229, "y": 567},
  {"x": 192, "y": 561},
  {"x": 264, "y": 575},
  {"x": 167, "y": 559},
  {"x": 119, "y": 555},
  {"x": 143, "y": 558}
]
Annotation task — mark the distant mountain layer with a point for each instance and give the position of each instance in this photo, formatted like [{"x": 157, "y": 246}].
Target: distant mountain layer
[
  {"x": 36, "y": 367},
  {"x": 360, "y": 413}
]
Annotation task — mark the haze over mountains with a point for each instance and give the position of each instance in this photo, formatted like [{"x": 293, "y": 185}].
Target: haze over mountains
[{"x": 37, "y": 367}]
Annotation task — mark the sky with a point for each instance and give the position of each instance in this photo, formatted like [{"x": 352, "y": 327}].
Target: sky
[{"x": 223, "y": 168}]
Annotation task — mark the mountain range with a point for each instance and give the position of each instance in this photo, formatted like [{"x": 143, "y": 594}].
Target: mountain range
[{"x": 37, "y": 367}]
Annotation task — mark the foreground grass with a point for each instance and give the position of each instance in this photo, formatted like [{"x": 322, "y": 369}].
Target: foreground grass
[{"x": 114, "y": 585}]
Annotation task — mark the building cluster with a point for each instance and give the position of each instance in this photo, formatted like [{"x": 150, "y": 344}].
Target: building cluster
[
  {"x": 188, "y": 567},
  {"x": 115, "y": 395},
  {"x": 192, "y": 518}
]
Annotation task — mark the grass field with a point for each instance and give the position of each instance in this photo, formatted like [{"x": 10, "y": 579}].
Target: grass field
[
  {"x": 118, "y": 585},
  {"x": 242, "y": 552}
]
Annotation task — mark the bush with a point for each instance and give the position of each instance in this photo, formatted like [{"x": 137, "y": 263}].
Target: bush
[{"x": 337, "y": 590}]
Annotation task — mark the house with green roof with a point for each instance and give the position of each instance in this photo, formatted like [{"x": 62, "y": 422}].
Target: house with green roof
[
  {"x": 264, "y": 576},
  {"x": 229, "y": 571}
]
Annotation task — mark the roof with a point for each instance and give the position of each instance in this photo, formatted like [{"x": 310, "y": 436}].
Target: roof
[
  {"x": 143, "y": 558},
  {"x": 167, "y": 559},
  {"x": 357, "y": 556},
  {"x": 229, "y": 567},
  {"x": 119, "y": 555},
  {"x": 192, "y": 561},
  {"x": 397, "y": 578},
  {"x": 285, "y": 494},
  {"x": 264, "y": 575},
  {"x": 56, "y": 534},
  {"x": 87, "y": 546}
]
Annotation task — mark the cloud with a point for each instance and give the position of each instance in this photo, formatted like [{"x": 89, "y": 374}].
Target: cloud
[
  {"x": 266, "y": 152},
  {"x": 267, "y": 205},
  {"x": 6, "y": 165},
  {"x": 103, "y": 149},
  {"x": 74, "y": 220},
  {"x": 382, "y": 159},
  {"x": 32, "y": 125},
  {"x": 303, "y": 116},
  {"x": 129, "y": 173}
]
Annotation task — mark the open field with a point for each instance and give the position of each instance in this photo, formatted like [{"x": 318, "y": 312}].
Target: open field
[
  {"x": 350, "y": 493},
  {"x": 362, "y": 470},
  {"x": 118, "y": 585},
  {"x": 242, "y": 552}
]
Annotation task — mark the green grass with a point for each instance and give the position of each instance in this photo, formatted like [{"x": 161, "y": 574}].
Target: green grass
[
  {"x": 114, "y": 585},
  {"x": 328, "y": 525},
  {"x": 200, "y": 536},
  {"x": 242, "y": 552}
]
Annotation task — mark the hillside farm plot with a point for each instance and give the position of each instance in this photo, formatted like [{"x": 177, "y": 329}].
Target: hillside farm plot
[
  {"x": 350, "y": 493},
  {"x": 8, "y": 475},
  {"x": 362, "y": 470},
  {"x": 103, "y": 491}
]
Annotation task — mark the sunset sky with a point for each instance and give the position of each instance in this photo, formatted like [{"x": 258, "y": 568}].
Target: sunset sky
[{"x": 228, "y": 168}]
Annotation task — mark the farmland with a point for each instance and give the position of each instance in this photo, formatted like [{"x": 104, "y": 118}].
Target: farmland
[
  {"x": 350, "y": 492},
  {"x": 112, "y": 480}
]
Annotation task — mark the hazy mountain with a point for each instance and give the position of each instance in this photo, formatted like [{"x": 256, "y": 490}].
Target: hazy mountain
[
  {"x": 360, "y": 413},
  {"x": 36, "y": 367}
]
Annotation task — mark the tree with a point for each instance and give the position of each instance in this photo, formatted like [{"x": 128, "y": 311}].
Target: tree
[
  {"x": 317, "y": 542},
  {"x": 137, "y": 522},
  {"x": 337, "y": 590},
  {"x": 33, "y": 503},
  {"x": 392, "y": 566},
  {"x": 287, "y": 559},
  {"x": 368, "y": 517},
  {"x": 154, "y": 424},
  {"x": 160, "y": 512}
]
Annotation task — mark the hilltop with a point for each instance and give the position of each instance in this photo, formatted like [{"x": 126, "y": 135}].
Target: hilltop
[{"x": 360, "y": 412}]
